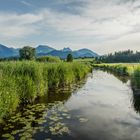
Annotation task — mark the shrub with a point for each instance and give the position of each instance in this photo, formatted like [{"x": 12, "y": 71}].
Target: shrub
[
  {"x": 27, "y": 53},
  {"x": 69, "y": 58}
]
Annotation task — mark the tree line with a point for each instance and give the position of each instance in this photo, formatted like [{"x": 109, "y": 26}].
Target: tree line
[{"x": 121, "y": 56}]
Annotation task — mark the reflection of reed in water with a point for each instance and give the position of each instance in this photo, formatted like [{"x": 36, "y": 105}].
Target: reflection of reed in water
[
  {"x": 61, "y": 94},
  {"x": 122, "y": 78},
  {"x": 46, "y": 115},
  {"x": 136, "y": 100}
]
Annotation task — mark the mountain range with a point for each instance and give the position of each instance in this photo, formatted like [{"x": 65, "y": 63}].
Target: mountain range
[{"x": 44, "y": 50}]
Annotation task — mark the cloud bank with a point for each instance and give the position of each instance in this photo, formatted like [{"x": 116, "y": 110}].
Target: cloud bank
[{"x": 100, "y": 25}]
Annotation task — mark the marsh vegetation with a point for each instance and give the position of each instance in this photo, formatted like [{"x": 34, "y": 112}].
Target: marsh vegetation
[
  {"x": 21, "y": 82},
  {"x": 76, "y": 112}
]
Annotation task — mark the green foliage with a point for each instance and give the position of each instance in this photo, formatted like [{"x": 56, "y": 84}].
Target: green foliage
[
  {"x": 135, "y": 79},
  {"x": 23, "y": 81},
  {"x": 48, "y": 59},
  {"x": 16, "y": 58},
  {"x": 62, "y": 74},
  {"x": 27, "y": 53},
  {"x": 121, "y": 56},
  {"x": 9, "y": 99},
  {"x": 69, "y": 58}
]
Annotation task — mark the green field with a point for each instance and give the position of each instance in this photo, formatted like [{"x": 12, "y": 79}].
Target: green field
[{"x": 85, "y": 59}]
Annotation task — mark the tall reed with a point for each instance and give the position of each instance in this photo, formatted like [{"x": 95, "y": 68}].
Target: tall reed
[
  {"x": 23, "y": 81},
  {"x": 135, "y": 78}
]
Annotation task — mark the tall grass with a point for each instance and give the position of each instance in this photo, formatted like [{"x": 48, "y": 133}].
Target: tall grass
[
  {"x": 9, "y": 99},
  {"x": 135, "y": 78},
  {"x": 48, "y": 59},
  {"x": 22, "y": 82}
]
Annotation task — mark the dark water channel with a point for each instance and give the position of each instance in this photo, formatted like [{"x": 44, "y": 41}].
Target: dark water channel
[{"x": 102, "y": 107}]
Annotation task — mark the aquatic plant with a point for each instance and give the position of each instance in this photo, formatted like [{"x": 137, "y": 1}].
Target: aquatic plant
[{"x": 38, "y": 118}]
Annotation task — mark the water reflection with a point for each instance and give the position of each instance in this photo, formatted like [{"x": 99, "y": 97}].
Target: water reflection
[
  {"x": 45, "y": 118},
  {"x": 97, "y": 108},
  {"x": 124, "y": 78},
  {"x": 105, "y": 102},
  {"x": 135, "y": 93},
  {"x": 136, "y": 100}
]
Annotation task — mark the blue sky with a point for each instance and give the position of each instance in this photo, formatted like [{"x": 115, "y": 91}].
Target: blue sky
[{"x": 101, "y": 25}]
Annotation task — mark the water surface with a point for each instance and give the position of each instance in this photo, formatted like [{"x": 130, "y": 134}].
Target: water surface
[{"x": 99, "y": 108}]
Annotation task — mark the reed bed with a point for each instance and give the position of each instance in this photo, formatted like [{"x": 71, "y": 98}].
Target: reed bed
[
  {"x": 23, "y": 81},
  {"x": 135, "y": 79}
]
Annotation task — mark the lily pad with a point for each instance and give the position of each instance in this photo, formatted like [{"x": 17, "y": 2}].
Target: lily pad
[{"x": 82, "y": 120}]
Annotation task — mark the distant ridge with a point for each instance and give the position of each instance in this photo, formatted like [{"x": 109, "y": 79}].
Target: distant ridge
[
  {"x": 67, "y": 50},
  {"x": 7, "y": 52},
  {"x": 76, "y": 54},
  {"x": 45, "y": 50}
]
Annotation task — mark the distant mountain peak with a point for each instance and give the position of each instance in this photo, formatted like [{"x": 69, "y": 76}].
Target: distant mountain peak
[
  {"x": 67, "y": 49},
  {"x": 3, "y": 46},
  {"x": 7, "y": 52},
  {"x": 44, "y": 49},
  {"x": 85, "y": 52}
]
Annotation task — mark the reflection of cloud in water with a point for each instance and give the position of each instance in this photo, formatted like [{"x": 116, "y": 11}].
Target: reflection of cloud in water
[
  {"x": 106, "y": 105},
  {"x": 100, "y": 109}
]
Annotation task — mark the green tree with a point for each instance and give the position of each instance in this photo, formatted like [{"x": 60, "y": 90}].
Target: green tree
[
  {"x": 69, "y": 58},
  {"x": 27, "y": 53}
]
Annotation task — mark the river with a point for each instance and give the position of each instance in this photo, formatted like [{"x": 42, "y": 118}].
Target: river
[{"x": 99, "y": 108}]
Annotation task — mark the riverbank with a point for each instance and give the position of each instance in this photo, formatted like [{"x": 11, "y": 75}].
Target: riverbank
[
  {"x": 78, "y": 113},
  {"x": 24, "y": 81},
  {"x": 124, "y": 69}
]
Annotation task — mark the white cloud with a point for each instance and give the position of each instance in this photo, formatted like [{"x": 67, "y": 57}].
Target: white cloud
[
  {"x": 26, "y": 3},
  {"x": 104, "y": 20},
  {"x": 97, "y": 18},
  {"x": 13, "y": 25},
  {"x": 130, "y": 41}
]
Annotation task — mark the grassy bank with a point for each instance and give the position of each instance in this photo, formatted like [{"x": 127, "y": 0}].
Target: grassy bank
[
  {"x": 135, "y": 79},
  {"x": 22, "y": 82},
  {"x": 120, "y": 69},
  {"x": 131, "y": 70}
]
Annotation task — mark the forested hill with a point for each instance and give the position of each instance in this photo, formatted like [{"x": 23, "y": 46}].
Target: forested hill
[{"x": 121, "y": 56}]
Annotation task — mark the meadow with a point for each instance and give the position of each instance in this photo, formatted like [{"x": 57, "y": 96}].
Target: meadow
[{"x": 21, "y": 82}]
